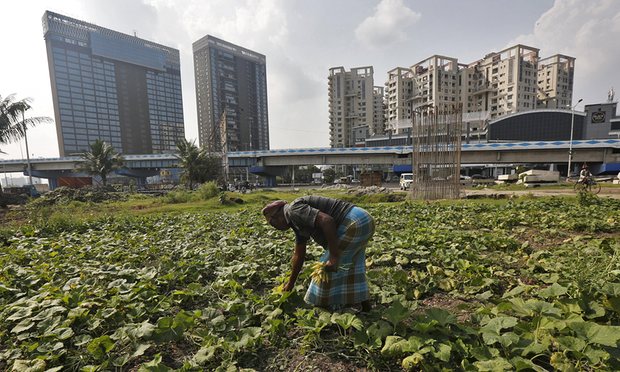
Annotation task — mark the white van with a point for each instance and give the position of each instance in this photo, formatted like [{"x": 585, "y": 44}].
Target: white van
[{"x": 405, "y": 180}]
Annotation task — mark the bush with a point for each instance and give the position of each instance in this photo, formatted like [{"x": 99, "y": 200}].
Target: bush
[
  {"x": 586, "y": 198},
  {"x": 177, "y": 197},
  {"x": 208, "y": 190}
]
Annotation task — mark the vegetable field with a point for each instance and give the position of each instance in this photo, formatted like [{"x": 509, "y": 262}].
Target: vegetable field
[{"x": 523, "y": 284}]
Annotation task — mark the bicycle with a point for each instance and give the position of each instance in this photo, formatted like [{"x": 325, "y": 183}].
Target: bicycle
[{"x": 588, "y": 185}]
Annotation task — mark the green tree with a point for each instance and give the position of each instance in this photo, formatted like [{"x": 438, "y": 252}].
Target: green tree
[
  {"x": 101, "y": 160},
  {"x": 329, "y": 175},
  {"x": 198, "y": 165},
  {"x": 13, "y": 124},
  {"x": 304, "y": 173}
]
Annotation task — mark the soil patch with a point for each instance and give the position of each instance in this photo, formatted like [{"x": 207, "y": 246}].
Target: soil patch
[{"x": 461, "y": 309}]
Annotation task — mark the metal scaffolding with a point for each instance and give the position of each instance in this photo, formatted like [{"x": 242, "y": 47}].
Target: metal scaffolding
[{"x": 436, "y": 156}]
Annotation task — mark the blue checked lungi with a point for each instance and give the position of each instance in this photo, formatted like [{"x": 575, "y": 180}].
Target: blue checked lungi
[{"x": 346, "y": 287}]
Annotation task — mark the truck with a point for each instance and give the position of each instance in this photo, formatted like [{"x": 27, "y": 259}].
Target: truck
[{"x": 405, "y": 180}]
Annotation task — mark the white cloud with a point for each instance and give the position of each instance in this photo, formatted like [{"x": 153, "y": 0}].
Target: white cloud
[
  {"x": 587, "y": 31},
  {"x": 387, "y": 25}
]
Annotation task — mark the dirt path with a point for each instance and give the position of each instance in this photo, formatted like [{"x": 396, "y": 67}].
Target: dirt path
[{"x": 605, "y": 192}]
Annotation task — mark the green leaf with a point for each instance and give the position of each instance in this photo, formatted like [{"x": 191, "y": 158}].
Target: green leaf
[
  {"x": 571, "y": 343},
  {"x": 347, "y": 320},
  {"x": 155, "y": 365},
  {"x": 495, "y": 325},
  {"x": 594, "y": 310},
  {"x": 441, "y": 316},
  {"x": 35, "y": 365},
  {"x": 77, "y": 312},
  {"x": 20, "y": 314},
  {"x": 145, "y": 330},
  {"x": 484, "y": 295},
  {"x": 548, "y": 323},
  {"x": 442, "y": 352},
  {"x": 22, "y": 326},
  {"x": 598, "y": 334},
  {"x": 595, "y": 355},
  {"x": 64, "y": 333},
  {"x": 205, "y": 354},
  {"x": 554, "y": 290},
  {"x": 100, "y": 346},
  {"x": 396, "y": 313},
  {"x": 248, "y": 336},
  {"x": 140, "y": 350},
  {"x": 534, "y": 348},
  {"x": 378, "y": 331},
  {"x": 521, "y": 364},
  {"x": 49, "y": 313},
  {"x": 497, "y": 364},
  {"x": 81, "y": 340},
  {"x": 396, "y": 345},
  {"x": 541, "y": 307},
  {"x": 412, "y": 361},
  {"x": 611, "y": 289}
]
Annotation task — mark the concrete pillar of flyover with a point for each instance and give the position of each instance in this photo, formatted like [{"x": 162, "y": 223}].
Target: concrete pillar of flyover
[
  {"x": 270, "y": 181},
  {"x": 53, "y": 183}
]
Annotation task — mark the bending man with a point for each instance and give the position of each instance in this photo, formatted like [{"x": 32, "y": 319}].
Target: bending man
[{"x": 344, "y": 231}]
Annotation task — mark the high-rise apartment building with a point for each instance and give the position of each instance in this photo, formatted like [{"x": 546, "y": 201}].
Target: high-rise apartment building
[
  {"x": 355, "y": 106},
  {"x": 111, "y": 86},
  {"x": 399, "y": 93},
  {"x": 502, "y": 83},
  {"x": 431, "y": 82},
  {"x": 231, "y": 96},
  {"x": 378, "y": 120},
  {"x": 435, "y": 82},
  {"x": 506, "y": 82},
  {"x": 555, "y": 82}
]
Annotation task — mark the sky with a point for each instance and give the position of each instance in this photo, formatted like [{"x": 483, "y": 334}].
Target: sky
[{"x": 303, "y": 39}]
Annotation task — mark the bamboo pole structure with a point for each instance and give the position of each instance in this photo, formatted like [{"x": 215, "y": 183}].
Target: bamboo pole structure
[{"x": 436, "y": 138}]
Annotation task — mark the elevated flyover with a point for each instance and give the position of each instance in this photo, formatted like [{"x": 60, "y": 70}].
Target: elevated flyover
[
  {"x": 269, "y": 163},
  {"x": 591, "y": 151}
]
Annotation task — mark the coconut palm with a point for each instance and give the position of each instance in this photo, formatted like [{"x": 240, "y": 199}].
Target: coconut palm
[
  {"x": 197, "y": 164},
  {"x": 13, "y": 124},
  {"x": 101, "y": 160}
]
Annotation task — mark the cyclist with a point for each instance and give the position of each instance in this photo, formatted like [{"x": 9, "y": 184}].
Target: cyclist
[{"x": 585, "y": 176}]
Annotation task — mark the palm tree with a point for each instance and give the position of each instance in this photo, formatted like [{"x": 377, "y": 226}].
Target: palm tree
[
  {"x": 190, "y": 158},
  {"x": 101, "y": 160},
  {"x": 198, "y": 164},
  {"x": 13, "y": 125}
]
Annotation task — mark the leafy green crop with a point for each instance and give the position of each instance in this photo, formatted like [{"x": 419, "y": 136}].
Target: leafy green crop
[{"x": 524, "y": 285}]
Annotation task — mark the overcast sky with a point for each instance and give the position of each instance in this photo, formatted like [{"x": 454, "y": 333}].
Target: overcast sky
[{"x": 302, "y": 39}]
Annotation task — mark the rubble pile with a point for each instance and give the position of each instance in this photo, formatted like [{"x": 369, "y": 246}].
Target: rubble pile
[{"x": 63, "y": 195}]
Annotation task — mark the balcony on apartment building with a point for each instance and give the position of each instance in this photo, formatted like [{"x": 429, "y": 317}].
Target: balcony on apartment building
[{"x": 483, "y": 88}]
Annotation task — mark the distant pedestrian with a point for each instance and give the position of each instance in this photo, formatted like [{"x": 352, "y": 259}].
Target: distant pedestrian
[{"x": 340, "y": 227}]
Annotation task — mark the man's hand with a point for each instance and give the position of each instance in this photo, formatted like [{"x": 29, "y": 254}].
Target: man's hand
[
  {"x": 331, "y": 265},
  {"x": 288, "y": 287}
]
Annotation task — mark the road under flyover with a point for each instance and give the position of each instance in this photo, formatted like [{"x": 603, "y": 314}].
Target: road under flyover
[
  {"x": 600, "y": 154},
  {"x": 597, "y": 153}
]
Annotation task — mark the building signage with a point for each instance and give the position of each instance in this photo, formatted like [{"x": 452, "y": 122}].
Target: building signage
[{"x": 598, "y": 117}]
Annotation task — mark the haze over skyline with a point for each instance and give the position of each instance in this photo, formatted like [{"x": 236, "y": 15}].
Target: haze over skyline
[{"x": 302, "y": 40}]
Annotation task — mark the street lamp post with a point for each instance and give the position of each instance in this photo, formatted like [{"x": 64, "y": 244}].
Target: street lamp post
[
  {"x": 27, "y": 151},
  {"x": 570, "y": 143}
]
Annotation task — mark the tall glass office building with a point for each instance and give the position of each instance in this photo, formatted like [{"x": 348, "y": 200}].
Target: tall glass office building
[
  {"x": 231, "y": 96},
  {"x": 112, "y": 86}
]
